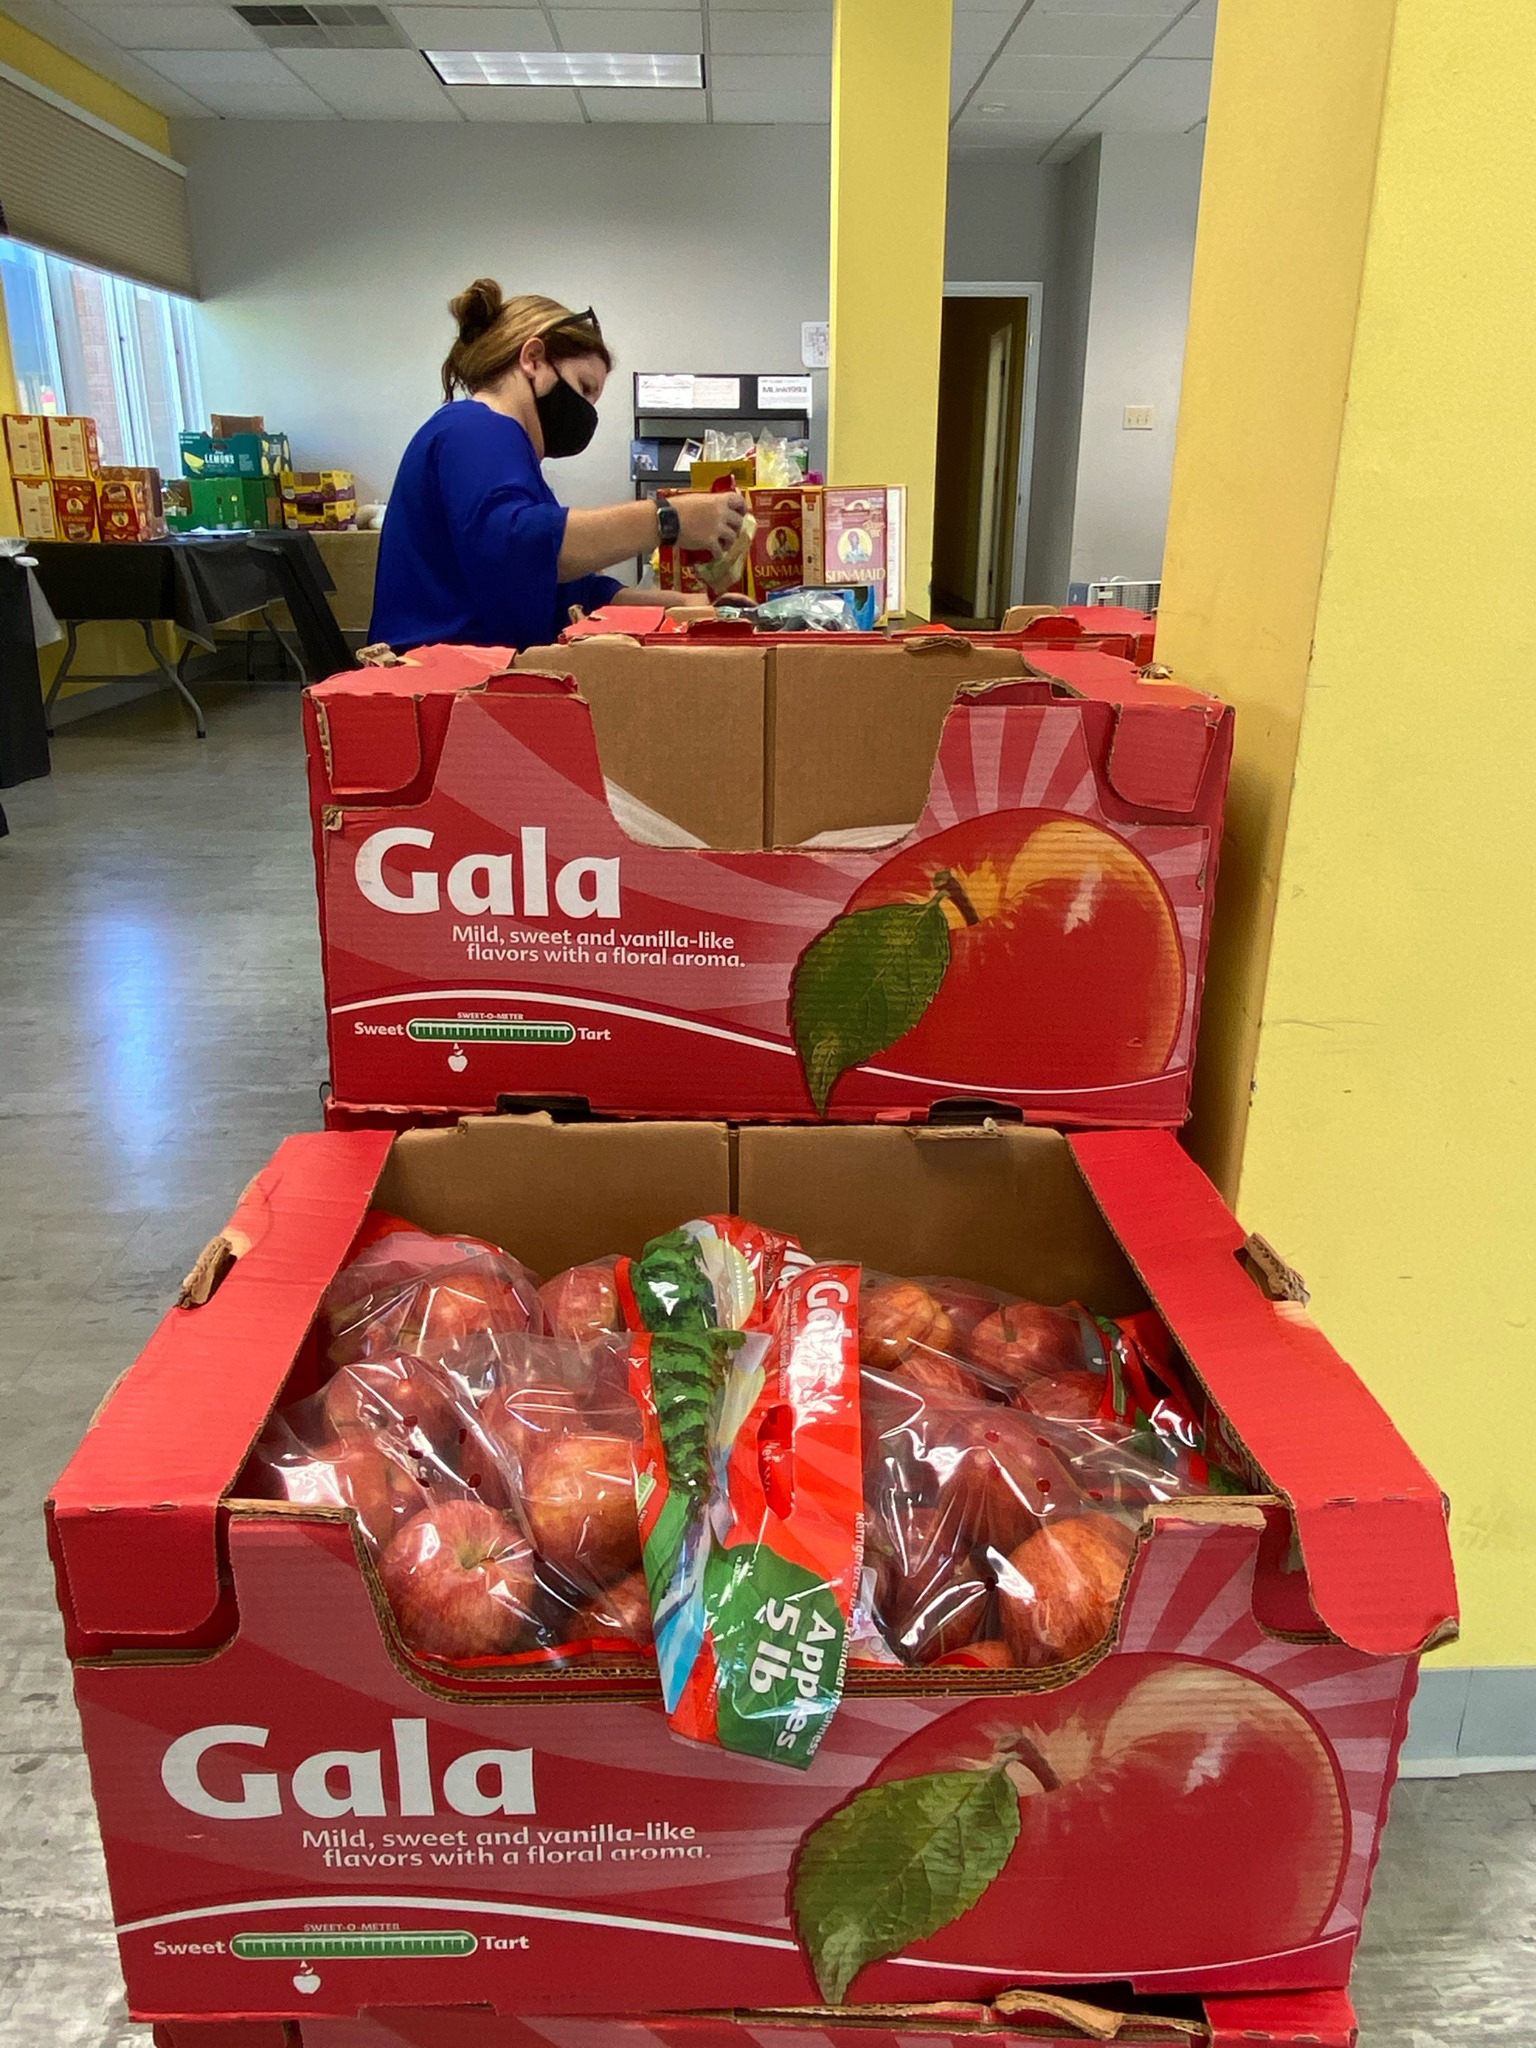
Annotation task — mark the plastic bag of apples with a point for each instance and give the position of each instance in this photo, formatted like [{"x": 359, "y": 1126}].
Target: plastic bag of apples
[{"x": 489, "y": 1433}]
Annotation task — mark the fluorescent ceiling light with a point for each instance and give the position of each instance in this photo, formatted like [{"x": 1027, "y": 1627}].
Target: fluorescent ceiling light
[{"x": 563, "y": 67}]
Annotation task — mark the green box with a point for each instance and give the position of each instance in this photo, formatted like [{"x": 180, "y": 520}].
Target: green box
[
  {"x": 242, "y": 455},
  {"x": 229, "y": 501}
]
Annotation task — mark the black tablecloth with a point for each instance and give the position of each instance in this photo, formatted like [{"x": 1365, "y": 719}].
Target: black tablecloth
[{"x": 195, "y": 579}]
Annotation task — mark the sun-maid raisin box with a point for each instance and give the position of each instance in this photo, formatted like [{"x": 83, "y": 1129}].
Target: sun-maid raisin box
[
  {"x": 906, "y": 871},
  {"x": 305, "y": 1819},
  {"x": 1315, "y": 2019}
]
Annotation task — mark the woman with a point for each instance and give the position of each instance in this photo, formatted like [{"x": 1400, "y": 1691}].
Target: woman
[{"x": 476, "y": 547}]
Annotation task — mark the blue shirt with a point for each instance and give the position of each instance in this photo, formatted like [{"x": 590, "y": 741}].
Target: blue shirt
[{"x": 471, "y": 540}]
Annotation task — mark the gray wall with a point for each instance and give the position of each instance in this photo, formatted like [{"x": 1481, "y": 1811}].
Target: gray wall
[
  {"x": 326, "y": 252},
  {"x": 1143, "y": 254}
]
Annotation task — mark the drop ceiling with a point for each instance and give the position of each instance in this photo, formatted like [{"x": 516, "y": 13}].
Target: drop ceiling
[{"x": 1038, "y": 76}]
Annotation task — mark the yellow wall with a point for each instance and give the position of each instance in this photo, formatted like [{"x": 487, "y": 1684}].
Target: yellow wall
[
  {"x": 890, "y": 168},
  {"x": 104, "y": 650},
  {"x": 1391, "y": 1141},
  {"x": 66, "y": 75}
]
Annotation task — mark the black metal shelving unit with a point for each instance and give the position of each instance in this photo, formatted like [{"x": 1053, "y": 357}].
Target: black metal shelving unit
[{"x": 671, "y": 427}]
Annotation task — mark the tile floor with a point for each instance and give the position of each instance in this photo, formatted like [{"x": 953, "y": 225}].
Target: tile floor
[{"x": 160, "y": 1012}]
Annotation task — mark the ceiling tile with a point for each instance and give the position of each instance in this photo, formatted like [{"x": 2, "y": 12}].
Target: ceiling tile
[
  {"x": 475, "y": 28},
  {"x": 778, "y": 31},
  {"x": 526, "y": 103},
  {"x": 197, "y": 68},
  {"x": 655, "y": 32},
  {"x": 374, "y": 85},
  {"x": 1162, "y": 96},
  {"x": 1086, "y": 35},
  {"x": 173, "y": 28},
  {"x": 259, "y": 101},
  {"x": 995, "y": 102},
  {"x": 1194, "y": 36},
  {"x": 610, "y": 104},
  {"x": 756, "y": 6},
  {"x": 66, "y": 31},
  {"x": 1054, "y": 74},
  {"x": 806, "y": 78},
  {"x": 768, "y": 108}
]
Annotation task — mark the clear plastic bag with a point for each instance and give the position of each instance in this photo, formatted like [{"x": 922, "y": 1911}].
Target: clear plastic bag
[
  {"x": 782, "y": 462},
  {"x": 448, "y": 1300}
]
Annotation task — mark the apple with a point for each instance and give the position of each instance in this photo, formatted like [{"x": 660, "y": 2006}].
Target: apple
[
  {"x": 523, "y": 1420},
  {"x": 579, "y": 1500},
  {"x": 1065, "y": 968},
  {"x": 349, "y": 1473},
  {"x": 623, "y": 1609},
  {"x": 1057, "y": 1592},
  {"x": 930, "y": 1372},
  {"x": 412, "y": 1400},
  {"x": 931, "y": 1598},
  {"x": 966, "y": 1303},
  {"x": 460, "y": 1578},
  {"x": 897, "y": 1315},
  {"x": 990, "y": 1654},
  {"x": 468, "y": 1301},
  {"x": 1024, "y": 1339},
  {"x": 1174, "y": 1815},
  {"x": 1002, "y": 1476},
  {"x": 582, "y": 1302},
  {"x": 1067, "y": 1396}
]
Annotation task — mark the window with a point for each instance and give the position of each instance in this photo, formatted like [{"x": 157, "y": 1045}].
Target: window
[{"x": 84, "y": 341}]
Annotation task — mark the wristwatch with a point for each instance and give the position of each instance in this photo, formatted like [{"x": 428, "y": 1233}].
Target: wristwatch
[{"x": 669, "y": 528}]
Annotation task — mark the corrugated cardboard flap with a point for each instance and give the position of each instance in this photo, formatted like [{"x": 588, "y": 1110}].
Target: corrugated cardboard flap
[
  {"x": 171, "y": 1438},
  {"x": 369, "y": 719},
  {"x": 1165, "y": 734},
  {"x": 1371, "y": 1521}
]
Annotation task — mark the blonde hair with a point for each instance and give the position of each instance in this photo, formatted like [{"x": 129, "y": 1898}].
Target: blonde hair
[{"x": 494, "y": 331}]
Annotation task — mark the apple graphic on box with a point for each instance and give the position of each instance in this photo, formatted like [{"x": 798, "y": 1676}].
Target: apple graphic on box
[
  {"x": 460, "y": 1578},
  {"x": 307, "y": 1980},
  {"x": 1156, "y": 1813},
  {"x": 1025, "y": 949}
]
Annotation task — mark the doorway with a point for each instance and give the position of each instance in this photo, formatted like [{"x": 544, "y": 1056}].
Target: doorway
[{"x": 987, "y": 360}]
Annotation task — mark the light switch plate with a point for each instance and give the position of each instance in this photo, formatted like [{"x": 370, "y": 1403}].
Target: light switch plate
[{"x": 1138, "y": 418}]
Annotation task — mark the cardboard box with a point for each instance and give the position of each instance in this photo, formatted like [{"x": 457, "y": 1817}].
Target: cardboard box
[
  {"x": 124, "y": 512},
  {"x": 147, "y": 478},
  {"x": 253, "y": 456},
  {"x": 75, "y": 510},
  {"x": 786, "y": 549},
  {"x": 74, "y": 451},
  {"x": 302, "y": 1822},
  {"x": 854, "y": 539},
  {"x": 36, "y": 513},
  {"x": 228, "y": 502},
  {"x": 1114, "y": 628},
  {"x": 337, "y": 515},
  {"x": 673, "y": 972},
  {"x": 226, "y": 425},
  {"x": 26, "y": 445},
  {"x": 1309, "y": 2019},
  {"x": 324, "y": 499}
]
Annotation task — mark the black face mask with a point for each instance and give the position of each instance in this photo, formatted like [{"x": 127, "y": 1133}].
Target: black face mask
[{"x": 566, "y": 419}]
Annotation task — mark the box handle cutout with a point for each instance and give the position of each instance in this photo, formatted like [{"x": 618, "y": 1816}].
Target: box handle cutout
[{"x": 1275, "y": 1278}]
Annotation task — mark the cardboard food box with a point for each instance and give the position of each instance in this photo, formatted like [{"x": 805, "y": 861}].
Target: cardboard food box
[
  {"x": 227, "y": 502},
  {"x": 325, "y": 499},
  {"x": 473, "y": 873},
  {"x": 226, "y": 425},
  {"x": 304, "y": 1821},
  {"x": 787, "y": 546},
  {"x": 75, "y": 510},
  {"x": 74, "y": 451},
  {"x": 1315, "y": 2019},
  {"x": 125, "y": 512},
  {"x": 252, "y": 455},
  {"x": 1114, "y": 628},
  {"x": 36, "y": 513},
  {"x": 26, "y": 445}
]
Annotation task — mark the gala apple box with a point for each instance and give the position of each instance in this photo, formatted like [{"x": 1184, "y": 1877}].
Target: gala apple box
[
  {"x": 1111, "y": 629},
  {"x": 1315, "y": 2019},
  {"x": 304, "y": 1821},
  {"x": 710, "y": 876}
]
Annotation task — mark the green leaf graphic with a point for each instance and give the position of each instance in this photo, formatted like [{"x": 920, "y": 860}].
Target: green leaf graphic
[
  {"x": 863, "y": 984},
  {"x": 896, "y": 1864},
  {"x": 688, "y": 1369}
]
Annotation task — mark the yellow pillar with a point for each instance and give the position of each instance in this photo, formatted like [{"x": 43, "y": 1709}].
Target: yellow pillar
[
  {"x": 1352, "y": 559},
  {"x": 890, "y": 167}
]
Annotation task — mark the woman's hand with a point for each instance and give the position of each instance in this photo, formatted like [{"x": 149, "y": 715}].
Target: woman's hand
[{"x": 710, "y": 519}]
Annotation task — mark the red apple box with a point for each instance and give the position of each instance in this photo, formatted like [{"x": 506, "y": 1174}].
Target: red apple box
[
  {"x": 1308, "y": 2019},
  {"x": 918, "y": 870},
  {"x": 1110, "y": 629},
  {"x": 304, "y": 1822}
]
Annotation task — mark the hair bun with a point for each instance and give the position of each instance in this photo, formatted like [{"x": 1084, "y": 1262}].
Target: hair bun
[{"x": 476, "y": 310}]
